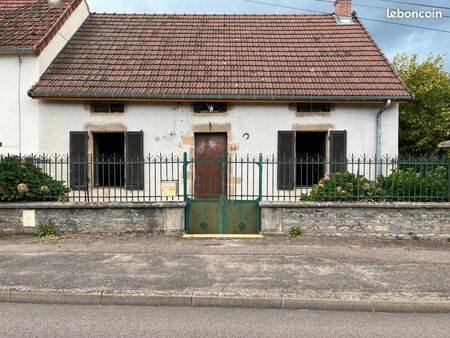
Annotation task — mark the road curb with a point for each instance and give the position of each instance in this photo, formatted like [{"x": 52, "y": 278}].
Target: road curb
[{"x": 193, "y": 300}]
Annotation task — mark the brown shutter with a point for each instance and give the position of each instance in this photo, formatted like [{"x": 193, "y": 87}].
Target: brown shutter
[
  {"x": 286, "y": 160},
  {"x": 78, "y": 160},
  {"x": 134, "y": 160},
  {"x": 338, "y": 151}
]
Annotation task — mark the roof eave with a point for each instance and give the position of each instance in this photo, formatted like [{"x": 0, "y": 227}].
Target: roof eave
[
  {"x": 17, "y": 50},
  {"x": 216, "y": 97}
]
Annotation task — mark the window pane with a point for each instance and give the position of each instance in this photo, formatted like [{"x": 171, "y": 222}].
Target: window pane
[
  {"x": 100, "y": 107},
  {"x": 304, "y": 107},
  {"x": 210, "y": 107},
  {"x": 117, "y": 107},
  {"x": 317, "y": 107},
  {"x": 320, "y": 107}
]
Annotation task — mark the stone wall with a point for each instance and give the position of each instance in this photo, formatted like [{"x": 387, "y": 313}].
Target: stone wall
[
  {"x": 114, "y": 218},
  {"x": 365, "y": 220}
]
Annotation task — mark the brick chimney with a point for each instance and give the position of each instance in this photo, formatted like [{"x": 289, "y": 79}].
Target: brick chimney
[{"x": 343, "y": 11}]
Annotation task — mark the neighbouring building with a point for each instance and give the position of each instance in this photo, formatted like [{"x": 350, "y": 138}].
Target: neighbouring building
[{"x": 32, "y": 33}]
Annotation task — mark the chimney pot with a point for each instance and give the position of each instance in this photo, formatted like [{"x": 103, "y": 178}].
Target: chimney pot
[
  {"x": 343, "y": 11},
  {"x": 343, "y": 8}
]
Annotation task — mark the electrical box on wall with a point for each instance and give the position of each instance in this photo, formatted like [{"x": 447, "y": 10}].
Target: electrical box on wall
[{"x": 29, "y": 218}]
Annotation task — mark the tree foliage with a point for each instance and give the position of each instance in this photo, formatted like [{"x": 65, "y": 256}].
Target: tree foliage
[{"x": 425, "y": 122}]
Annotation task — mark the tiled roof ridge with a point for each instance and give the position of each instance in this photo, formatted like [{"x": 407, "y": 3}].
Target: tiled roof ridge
[
  {"x": 355, "y": 16},
  {"x": 44, "y": 41},
  {"x": 212, "y": 14}
]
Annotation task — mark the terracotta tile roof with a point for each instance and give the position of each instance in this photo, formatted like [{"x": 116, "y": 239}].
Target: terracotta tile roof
[
  {"x": 26, "y": 24},
  {"x": 282, "y": 57}
]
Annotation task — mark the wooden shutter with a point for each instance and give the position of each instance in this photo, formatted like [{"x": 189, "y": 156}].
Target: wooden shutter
[
  {"x": 134, "y": 172},
  {"x": 78, "y": 160},
  {"x": 338, "y": 151},
  {"x": 286, "y": 160}
]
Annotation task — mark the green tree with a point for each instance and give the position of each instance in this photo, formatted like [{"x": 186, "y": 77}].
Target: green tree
[{"x": 425, "y": 122}]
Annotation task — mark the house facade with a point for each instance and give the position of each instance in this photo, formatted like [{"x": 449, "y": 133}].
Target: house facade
[{"x": 129, "y": 85}]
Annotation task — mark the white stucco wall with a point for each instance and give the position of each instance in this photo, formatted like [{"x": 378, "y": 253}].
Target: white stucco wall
[
  {"x": 18, "y": 75},
  {"x": 19, "y": 118},
  {"x": 170, "y": 127}
]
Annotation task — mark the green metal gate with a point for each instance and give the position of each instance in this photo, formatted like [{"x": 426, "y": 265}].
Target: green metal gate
[{"x": 234, "y": 209}]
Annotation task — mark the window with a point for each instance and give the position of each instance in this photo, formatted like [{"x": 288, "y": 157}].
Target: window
[
  {"x": 109, "y": 155},
  {"x": 313, "y": 107},
  {"x": 302, "y": 156},
  {"x": 118, "y": 160},
  {"x": 310, "y": 150},
  {"x": 108, "y": 107},
  {"x": 210, "y": 107}
]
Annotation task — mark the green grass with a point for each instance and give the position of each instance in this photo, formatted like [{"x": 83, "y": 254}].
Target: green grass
[
  {"x": 416, "y": 237},
  {"x": 47, "y": 230},
  {"x": 295, "y": 232}
]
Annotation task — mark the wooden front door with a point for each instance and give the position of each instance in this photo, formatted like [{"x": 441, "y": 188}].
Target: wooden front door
[{"x": 210, "y": 156}]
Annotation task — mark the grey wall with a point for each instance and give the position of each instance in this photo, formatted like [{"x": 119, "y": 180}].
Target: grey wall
[
  {"x": 96, "y": 217},
  {"x": 366, "y": 220}
]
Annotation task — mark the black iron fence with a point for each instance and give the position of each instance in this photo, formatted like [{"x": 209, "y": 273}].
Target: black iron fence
[{"x": 178, "y": 178}]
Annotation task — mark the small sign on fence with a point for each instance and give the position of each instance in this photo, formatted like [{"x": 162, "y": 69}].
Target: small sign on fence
[{"x": 169, "y": 188}]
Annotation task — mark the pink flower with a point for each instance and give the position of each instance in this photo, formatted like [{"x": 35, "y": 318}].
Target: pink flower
[{"x": 327, "y": 177}]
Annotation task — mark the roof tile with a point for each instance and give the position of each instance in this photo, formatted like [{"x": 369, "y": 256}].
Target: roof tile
[
  {"x": 198, "y": 55},
  {"x": 32, "y": 23}
]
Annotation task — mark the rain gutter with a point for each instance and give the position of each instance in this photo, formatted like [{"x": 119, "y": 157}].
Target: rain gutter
[{"x": 151, "y": 96}]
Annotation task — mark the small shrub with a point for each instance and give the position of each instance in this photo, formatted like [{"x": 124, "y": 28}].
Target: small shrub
[
  {"x": 2, "y": 234},
  {"x": 416, "y": 237},
  {"x": 21, "y": 180},
  {"x": 161, "y": 232},
  {"x": 427, "y": 185},
  {"x": 400, "y": 238},
  {"x": 295, "y": 232},
  {"x": 448, "y": 239},
  {"x": 47, "y": 230},
  {"x": 341, "y": 186},
  {"x": 404, "y": 185}
]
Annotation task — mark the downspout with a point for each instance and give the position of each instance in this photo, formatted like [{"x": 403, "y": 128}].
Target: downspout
[
  {"x": 19, "y": 103},
  {"x": 378, "y": 169}
]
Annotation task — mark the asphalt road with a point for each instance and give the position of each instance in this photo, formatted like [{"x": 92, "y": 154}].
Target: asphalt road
[{"x": 25, "y": 320}]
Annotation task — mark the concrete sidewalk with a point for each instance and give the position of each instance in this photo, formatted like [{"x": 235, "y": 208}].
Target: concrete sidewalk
[{"x": 307, "y": 273}]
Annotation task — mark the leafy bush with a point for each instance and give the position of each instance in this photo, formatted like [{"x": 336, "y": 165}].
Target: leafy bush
[
  {"x": 295, "y": 232},
  {"x": 47, "y": 230},
  {"x": 341, "y": 186},
  {"x": 400, "y": 185},
  {"x": 409, "y": 184},
  {"x": 21, "y": 180}
]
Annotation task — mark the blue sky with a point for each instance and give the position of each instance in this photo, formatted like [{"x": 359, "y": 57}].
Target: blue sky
[{"x": 392, "y": 39}]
